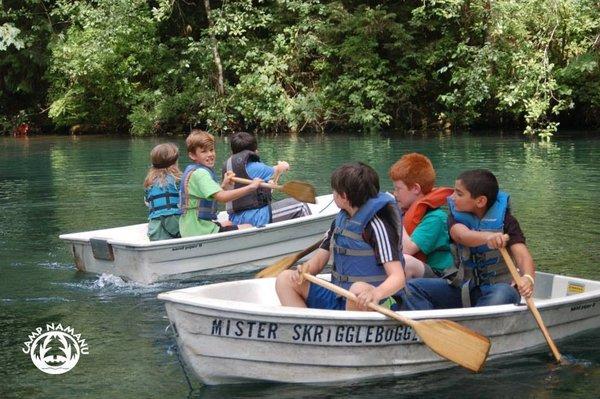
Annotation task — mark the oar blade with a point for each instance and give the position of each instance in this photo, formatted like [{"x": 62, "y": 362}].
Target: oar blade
[
  {"x": 287, "y": 262},
  {"x": 277, "y": 267},
  {"x": 302, "y": 191},
  {"x": 454, "y": 342}
]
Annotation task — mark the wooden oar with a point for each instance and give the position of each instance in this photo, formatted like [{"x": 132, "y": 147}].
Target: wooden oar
[
  {"x": 445, "y": 337},
  {"x": 286, "y": 262},
  {"x": 531, "y": 305},
  {"x": 303, "y": 192}
]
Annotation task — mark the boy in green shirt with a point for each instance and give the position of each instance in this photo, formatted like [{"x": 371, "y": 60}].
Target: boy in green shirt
[
  {"x": 199, "y": 190},
  {"x": 425, "y": 223}
]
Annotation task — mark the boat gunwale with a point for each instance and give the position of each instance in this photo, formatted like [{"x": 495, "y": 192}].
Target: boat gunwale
[
  {"x": 151, "y": 245},
  {"x": 255, "y": 309}
]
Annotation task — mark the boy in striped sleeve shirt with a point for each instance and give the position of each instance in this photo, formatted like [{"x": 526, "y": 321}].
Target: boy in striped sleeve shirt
[{"x": 365, "y": 242}]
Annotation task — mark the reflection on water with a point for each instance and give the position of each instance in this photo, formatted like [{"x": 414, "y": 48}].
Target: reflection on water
[{"x": 53, "y": 185}]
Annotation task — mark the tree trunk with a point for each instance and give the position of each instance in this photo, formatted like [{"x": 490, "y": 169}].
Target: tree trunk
[{"x": 215, "y": 50}]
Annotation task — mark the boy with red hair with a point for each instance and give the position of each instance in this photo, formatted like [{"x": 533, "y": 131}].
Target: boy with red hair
[{"x": 425, "y": 223}]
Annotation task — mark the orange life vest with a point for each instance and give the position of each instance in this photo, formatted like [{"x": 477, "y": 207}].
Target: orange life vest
[{"x": 413, "y": 215}]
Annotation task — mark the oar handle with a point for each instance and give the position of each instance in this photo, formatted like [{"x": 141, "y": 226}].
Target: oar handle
[
  {"x": 349, "y": 295},
  {"x": 531, "y": 305},
  {"x": 263, "y": 184}
]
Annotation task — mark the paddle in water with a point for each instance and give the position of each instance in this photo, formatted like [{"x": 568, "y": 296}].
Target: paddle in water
[
  {"x": 532, "y": 308},
  {"x": 302, "y": 191},
  {"x": 448, "y": 339}
]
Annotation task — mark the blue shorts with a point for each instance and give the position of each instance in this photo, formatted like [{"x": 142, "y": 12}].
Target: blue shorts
[{"x": 321, "y": 298}]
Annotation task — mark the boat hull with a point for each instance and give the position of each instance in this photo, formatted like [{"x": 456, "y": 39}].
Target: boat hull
[
  {"x": 126, "y": 251},
  {"x": 224, "y": 341}
]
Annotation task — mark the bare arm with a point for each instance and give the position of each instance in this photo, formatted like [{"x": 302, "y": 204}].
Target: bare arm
[
  {"x": 393, "y": 283},
  {"x": 231, "y": 195},
  {"x": 313, "y": 266},
  {"x": 461, "y": 234},
  {"x": 524, "y": 262},
  {"x": 281, "y": 167},
  {"x": 408, "y": 245},
  {"x": 523, "y": 259},
  {"x": 316, "y": 264}
]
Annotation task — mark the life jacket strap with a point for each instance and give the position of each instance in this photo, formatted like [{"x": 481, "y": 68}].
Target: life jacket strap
[
  {"x": 484, "y": 259},
  {"x": 166, "y": 195},
  {"x": 347, "y": 233},
  {"x": 343, "y": 278},
  {"x": 353, "y": 252},
  {"x": 493, "y": 274},
  {"x": 167, "y": 206},
  {"x": 202, "y": 209},
  {"x": 465, "y": 294}
]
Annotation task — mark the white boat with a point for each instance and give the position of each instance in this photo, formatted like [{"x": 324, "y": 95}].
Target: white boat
[
  {"x": 128, "y": 253},
  {"x": 236, "y": 332}
]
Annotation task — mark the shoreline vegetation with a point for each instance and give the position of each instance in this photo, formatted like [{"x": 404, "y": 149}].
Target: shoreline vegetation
[{"x": 298, "y": 66}]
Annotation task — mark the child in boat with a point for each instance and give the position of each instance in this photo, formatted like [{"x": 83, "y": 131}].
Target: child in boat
[
  {"x": 161, "y": 194},
  {"x": 365, "y": 240},
  {"x": 199, "y": 191},
  {"x": 257, "y": 207},
  {"x": 425, "y": 224},
  {"x": 480, "y": 220}
]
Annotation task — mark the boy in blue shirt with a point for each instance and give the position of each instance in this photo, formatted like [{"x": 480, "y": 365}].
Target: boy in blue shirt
[
  {"x": 257, "y": 207},
  {"x": 480, "y": 223}
]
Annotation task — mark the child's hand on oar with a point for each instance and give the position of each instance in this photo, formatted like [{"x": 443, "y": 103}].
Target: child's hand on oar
[
  {"x": 367, "y": 296},
  {"x": 227, "y": 179},
  {"x": 297, "y": 277},
  {"x": 526, "y": 286},
  {"x": 497, "y": 240}
]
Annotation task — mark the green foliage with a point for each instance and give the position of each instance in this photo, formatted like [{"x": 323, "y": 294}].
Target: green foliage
[
  {"x": 25, "y": 28},
  {"x": 297, "y": 65},
  {"x": 101, "y": 62},
  {"x": 516, "y": 62}
]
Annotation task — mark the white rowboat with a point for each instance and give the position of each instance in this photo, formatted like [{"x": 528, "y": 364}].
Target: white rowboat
[
  {"x": 128, "y": 253},
  {"x": 237, "y": 332}
]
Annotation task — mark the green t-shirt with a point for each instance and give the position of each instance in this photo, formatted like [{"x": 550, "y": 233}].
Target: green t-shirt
[
  {"x": 201, "y": 185},
  {"x": 431, "y": 236}
]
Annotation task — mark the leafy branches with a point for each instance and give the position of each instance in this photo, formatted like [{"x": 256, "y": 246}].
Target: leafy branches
[{"x": 296, "y": 65}]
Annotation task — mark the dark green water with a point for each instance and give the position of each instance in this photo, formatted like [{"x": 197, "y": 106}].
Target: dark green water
[{"x": 53, "y": 185}]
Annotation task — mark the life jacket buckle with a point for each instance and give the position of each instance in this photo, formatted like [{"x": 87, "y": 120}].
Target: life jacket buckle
[
  {"x": 483, "y": 276},
  {"x": 478, "y": 258},
  {"x": 342, "y": 278},
  {"x": 341, "y": 250}
]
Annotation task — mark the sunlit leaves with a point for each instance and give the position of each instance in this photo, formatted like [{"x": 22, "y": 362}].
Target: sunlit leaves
[
  {"x": 296, "y": 65},
  {"x": 9, "y": 35}
]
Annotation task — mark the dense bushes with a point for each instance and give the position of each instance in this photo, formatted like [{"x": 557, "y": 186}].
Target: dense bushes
[{"x": 288, "y": 65}]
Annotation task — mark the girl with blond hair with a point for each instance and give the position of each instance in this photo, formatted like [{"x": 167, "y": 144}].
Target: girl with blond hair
[{"x": 161, "y": 193}]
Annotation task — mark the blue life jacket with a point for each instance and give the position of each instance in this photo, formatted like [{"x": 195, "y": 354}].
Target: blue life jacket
[
  {"x": 163, "y": 200},
  {"x": 207, "y": 209},
  {"x": 486, "y": 264},
  {"x": 353, "y": 258}
]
